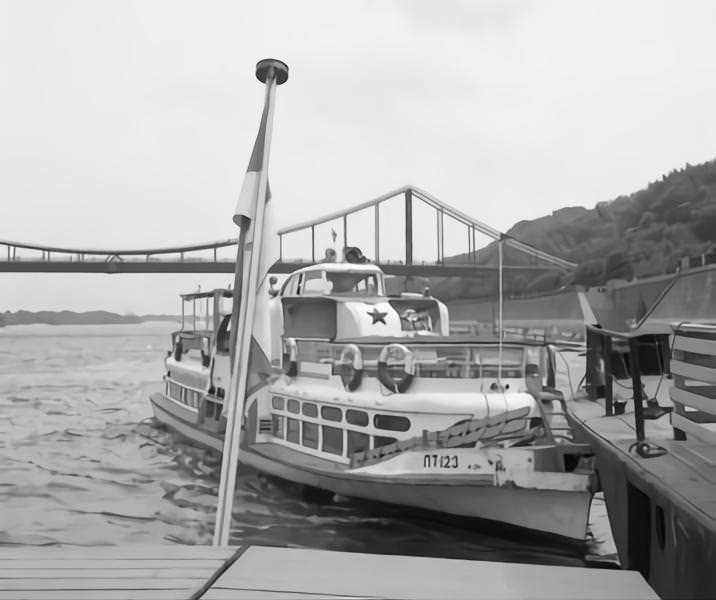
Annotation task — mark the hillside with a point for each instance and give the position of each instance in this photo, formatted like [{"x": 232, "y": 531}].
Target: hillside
[
  {"x": 645, "y": 233},
  {"x": 67, "y": 317}
]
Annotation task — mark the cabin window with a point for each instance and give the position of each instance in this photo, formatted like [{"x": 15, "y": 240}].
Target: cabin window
[
  {"x": 357, "y": 442},
  {"x": 289, "y": 286},
  {"x": 357, "y": 417},
  {"x": 293, "y": 430},
  {"x": 310, "y": 435},
  {"x": 278, "y": 426},
  {"x": 277, "y": 402},
  {"x": 380, "y": 441},
  {"x": 391, "y": 422},
  {"x": 310, "y": 410},
  {"x": 315, "y": 283},
  {"x": 293, "y": 406},
  {"x": 331, "y": 413},
  {"x": 332, "y": 440},
  {"x": 223, "y": 335}
]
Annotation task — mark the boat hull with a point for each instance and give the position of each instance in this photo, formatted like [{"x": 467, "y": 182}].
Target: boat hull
[{"x": 559, "y": 513}]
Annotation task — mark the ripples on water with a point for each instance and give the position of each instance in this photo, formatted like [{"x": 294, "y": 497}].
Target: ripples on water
[{"x": 82, "y": 462}]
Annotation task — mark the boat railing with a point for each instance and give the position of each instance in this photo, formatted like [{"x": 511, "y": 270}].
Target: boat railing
[
  {"x": 464, "y": 360},
  {"x": 693, "y": 366}
]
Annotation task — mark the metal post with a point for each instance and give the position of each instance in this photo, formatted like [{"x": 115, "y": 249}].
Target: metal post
[
  {"x": 608, "y": 387},
  {"x": 499, "y": 310},
  {"x": 636, "y": 387},
  {"x": 313, "y": 243},
  {"x": 280, "y": 247},
  {"x": 377, "y": 232},
  {"x": 408, "y": 227},
  {"x": 345, "y": 231},
  {"x": 474, "y": 245}
]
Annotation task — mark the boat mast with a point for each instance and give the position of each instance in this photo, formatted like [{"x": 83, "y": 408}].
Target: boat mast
[{"x": 500, "y": 328}]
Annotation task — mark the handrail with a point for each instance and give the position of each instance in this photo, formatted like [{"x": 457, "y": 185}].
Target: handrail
[{"x": 97, "y": 251}]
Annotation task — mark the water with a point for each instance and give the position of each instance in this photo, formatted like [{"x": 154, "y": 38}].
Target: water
[{"x": 83, "y": 463}]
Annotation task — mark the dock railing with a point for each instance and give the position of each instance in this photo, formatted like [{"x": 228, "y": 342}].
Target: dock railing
[
  {"x": 614, "y": 353},
  {"x": 693, "y": 365}
]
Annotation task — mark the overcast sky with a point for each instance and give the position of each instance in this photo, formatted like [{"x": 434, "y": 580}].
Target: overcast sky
[{"x": 130, "y": 124}]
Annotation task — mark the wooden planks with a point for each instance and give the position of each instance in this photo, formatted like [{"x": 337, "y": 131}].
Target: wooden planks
[
  {"x": 260, "y": 573},
  {"x": 302, "y": 573},
  {"x": 108, "y": 572}
]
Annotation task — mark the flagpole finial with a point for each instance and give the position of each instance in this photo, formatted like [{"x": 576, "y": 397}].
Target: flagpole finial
[{"x": 280, "y": 70}]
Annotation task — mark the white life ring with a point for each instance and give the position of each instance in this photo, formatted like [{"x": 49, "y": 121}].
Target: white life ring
[
  {"x": 401, "y": 384},
  {"x": 351, "y": 362}
]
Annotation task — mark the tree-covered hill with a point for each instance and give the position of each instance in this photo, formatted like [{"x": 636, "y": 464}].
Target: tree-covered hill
[{"x": 645, "y": 233}]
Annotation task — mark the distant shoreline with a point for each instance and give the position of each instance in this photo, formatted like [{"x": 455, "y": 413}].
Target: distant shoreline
[{"x": 66, "y": 317}]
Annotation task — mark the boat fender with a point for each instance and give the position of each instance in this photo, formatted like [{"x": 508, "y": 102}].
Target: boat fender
[
  {"x": 352, "y": 367},
  {"x": 178, "y": 350},
  {"x": 401, "y": 384},
  {"x": 290, "y": 357}
]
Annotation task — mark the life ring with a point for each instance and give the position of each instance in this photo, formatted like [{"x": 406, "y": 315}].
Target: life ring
[
  {"x": 403, "y": 383},
  {"x": 351, "y": 362},
  {"x": 290, "y": 357},
  {"x": 178, "y": 349}
]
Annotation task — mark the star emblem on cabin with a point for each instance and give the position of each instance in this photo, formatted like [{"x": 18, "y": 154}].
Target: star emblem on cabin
[{"x": 377, "y": 316}]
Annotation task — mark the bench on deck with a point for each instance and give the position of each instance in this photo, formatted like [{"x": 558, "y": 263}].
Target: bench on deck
[{"x": 693, "y": 366}]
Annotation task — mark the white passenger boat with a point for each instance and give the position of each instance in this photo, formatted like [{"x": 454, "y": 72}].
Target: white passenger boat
[{"x": 369, "y": 397}]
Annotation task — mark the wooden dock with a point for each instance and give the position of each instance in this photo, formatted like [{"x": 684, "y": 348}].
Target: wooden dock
[{"x": 263, "y": 573}]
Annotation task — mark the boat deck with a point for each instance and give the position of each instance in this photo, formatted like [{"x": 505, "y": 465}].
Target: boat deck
[{"x": 262, "y": 573}]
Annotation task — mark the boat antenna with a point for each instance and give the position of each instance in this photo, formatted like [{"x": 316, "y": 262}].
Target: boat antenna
[
  {"x": 500, "y": 299},
  {"x": 249, "y": 216}
]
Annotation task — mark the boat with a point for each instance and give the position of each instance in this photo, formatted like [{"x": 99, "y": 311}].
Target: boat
[
  {"x": 368, "y": 396},
  {"x": 648, "y": 409}
]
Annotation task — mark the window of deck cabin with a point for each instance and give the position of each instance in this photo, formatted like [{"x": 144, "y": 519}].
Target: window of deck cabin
[
  {"x": 289, "y": 286},
  {"x": 332, "y": 440},
  {"x": 391, "y": 422},
  {"x": 310, "y": 435},
  {"x": 331, "y": 413},
  {"x": 309, "y": 409},
  {"x": 278, "y": 426},
  {"x": 355, "y": 282},
  {"x": 277, "y": 402},
  {"x": 356, "y": 417},
  {"x": 293, "y": 430},
  {"x": 357, "y": 442},
  {"x": 293, "y": 406},
  {"x": 314, "y": 282}
]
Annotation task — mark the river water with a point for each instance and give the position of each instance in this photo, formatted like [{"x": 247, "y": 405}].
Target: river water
[{"x": 83, "y": 463}]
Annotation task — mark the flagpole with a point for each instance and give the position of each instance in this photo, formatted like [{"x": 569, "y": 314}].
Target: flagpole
[{"x": 271, "y": 73}]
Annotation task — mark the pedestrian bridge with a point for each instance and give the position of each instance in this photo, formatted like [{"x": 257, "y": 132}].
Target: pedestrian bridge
[{"x": 406, "y": 232}]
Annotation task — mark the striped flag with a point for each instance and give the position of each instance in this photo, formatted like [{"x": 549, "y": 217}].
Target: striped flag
[
  {"x": 248, "y": 203},
  {"x": 259, "y": 364}
]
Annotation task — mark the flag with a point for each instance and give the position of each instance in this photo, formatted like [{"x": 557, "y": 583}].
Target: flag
[
  {"x": 248, "y": 203},
  {"x": 245, "y": 216}
]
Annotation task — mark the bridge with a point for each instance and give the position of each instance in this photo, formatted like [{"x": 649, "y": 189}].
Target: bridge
[{"x": 387, "y": 226}]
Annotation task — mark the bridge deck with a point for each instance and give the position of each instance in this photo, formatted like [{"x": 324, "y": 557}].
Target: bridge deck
[{"x": 255, "y": 572}]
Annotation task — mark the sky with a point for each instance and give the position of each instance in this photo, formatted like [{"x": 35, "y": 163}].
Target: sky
[{"x": 130, "y": 124}]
